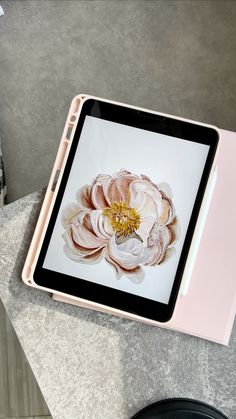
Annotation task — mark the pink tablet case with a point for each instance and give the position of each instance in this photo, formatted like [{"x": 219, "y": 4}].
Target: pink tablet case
[{"x": 208, "y": 309}]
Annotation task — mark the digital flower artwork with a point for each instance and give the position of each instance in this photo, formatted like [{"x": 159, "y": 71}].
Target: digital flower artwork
[{"x": 123, "y": 218}]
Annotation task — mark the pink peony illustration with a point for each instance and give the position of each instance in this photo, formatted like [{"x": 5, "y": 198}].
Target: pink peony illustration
[{"x": 125, "y": 219}]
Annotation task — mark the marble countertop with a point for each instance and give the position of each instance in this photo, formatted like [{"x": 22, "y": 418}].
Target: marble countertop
[{"x": 92, "y": 365}]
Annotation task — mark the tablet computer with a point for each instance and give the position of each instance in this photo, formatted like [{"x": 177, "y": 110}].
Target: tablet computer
[{"x": 126, "y": 208}]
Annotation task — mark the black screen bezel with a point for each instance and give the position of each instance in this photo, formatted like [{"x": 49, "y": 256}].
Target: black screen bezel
[{"x": 99, "y": 293}]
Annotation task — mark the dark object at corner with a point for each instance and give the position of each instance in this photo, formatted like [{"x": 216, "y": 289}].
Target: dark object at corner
[{"x": 179, "y": 409}]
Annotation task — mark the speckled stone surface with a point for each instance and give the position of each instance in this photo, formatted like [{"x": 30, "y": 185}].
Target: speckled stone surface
[{"x": 96, "y": 366}]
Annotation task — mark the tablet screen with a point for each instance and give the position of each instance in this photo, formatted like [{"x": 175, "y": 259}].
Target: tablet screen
[{"x": 126, "y": 208}]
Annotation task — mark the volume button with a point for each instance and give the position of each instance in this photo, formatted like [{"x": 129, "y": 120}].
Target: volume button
[{"x": 54, "y": 184}]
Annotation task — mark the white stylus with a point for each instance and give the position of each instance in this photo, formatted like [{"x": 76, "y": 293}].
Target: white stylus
[{"x": 198, "y": 233}]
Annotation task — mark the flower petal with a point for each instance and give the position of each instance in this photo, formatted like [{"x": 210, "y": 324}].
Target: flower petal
[
  {"x": 83, "y": 197},
  {"x": 128, "y": 254},
  {"x": 118, "y": 188},
  {"x": 136, "y": 275},
  {"x": 168, "y": 254},
  {"x": 146, "y": 207},
  {"x": 164, "y": 187},
  {"x": 117, "y": 268},
  {"x": 164, "y": 205},
  {"x": 83, "y": 233},
  {"x": 101, "y": 225},
  {"x": 98, "y": 191},
  {"x": 174, "y": 229},
  {"x": 166, "y": 212},
  {"x": 69, "y": 212},
  {"x": 77, "y": 252},
  {"x": 158, "y": 242}
]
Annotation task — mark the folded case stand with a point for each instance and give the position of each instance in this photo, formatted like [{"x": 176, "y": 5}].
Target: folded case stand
[{"x": 207, "y": 308}]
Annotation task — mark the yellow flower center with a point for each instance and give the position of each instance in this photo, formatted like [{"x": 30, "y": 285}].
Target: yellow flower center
[{"x": 124, "y": 220}]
